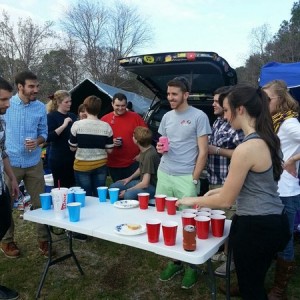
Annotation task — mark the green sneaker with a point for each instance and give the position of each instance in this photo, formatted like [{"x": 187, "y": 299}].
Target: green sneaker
[
  {"x": 170, "y": 271},
  {"x": 190, "y": 278}
]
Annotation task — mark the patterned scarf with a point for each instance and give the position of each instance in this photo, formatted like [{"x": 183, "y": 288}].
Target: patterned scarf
[{"x": 280, "y": 117}]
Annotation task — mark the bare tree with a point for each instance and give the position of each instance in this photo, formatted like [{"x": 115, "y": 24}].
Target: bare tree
[
  {"x": 260, "y": 36},
  {"x": 105, "y": 34},
  {"x": 86, "y": 22},
  {"x": 128, "y": 31},
  {"x": 25, "y": 43}
]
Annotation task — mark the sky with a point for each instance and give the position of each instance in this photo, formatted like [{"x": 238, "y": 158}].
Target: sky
[{"x": 221, "y": 26}]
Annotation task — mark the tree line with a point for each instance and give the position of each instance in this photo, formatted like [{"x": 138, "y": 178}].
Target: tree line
[{"x": 93, "y": 35}]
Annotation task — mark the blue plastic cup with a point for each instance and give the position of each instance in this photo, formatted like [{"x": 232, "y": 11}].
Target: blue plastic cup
[
  {"x": 74, "y": 211},
  {"x": 46, "y": 201},
  {"x": 70, "y": 196},
  {"x": 80, "y": 197},
  {"x": 113, "y": 194},
  {"x": 102, "y": 193}
]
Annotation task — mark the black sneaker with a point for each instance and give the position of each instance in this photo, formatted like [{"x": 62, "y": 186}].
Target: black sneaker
[{"x": 8, "y": 294}]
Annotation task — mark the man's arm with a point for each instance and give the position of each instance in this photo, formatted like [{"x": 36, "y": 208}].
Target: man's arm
[
  {"x": 202, "y": 156},
  {"x": 9, "y": 172}
]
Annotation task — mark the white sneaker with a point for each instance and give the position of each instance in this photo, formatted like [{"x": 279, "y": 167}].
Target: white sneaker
[
  {"x": 219, "y": 257},
  {"x": 222, "y": 269}
]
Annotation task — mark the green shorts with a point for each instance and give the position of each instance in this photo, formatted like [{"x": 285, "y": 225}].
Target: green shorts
[{"x": 178, "y": 186}]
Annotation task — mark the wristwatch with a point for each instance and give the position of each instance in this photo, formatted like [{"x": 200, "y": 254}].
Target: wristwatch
[{"x": 195, "y": 181}]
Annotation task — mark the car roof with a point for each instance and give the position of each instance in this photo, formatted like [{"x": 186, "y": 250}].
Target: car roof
[{"x": 206, "y": 71}]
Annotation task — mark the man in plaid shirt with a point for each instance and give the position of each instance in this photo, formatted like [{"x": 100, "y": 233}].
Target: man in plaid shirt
[{"x": 222, "y": 142}]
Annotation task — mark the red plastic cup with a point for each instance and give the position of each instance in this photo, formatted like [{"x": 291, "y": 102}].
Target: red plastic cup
[
  {"x": 153, "y": 229},
  {"x": 202, "y": 227},
  {"x": 188, "y": 219},
  {"x": 143, "y": 200},
  {"x": 217, "y": 225},
  {"x": 217, "y": 212},
  {"x": 169, "y": 229},
  {"x": 205, "y": 209},
  {"x": 203, "y": 213},
  {"x": 160, "y": 201},
  {"x": 170, "y": 204},
  {"x": 190, "y": 210}
]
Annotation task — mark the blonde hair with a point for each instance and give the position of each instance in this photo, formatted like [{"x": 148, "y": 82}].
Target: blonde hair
[
  {"x": 286, "y": 101},
  {"x": 57, "y": 98}
]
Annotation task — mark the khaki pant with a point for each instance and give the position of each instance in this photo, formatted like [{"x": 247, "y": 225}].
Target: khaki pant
[{"x": 33, "y": 178}]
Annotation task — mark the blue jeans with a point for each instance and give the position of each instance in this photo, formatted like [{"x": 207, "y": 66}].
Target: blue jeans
[
  {"x": 291, "y": 204},
  {"x": 133, "y": 194},
  {"x": 90, "y": 180}
]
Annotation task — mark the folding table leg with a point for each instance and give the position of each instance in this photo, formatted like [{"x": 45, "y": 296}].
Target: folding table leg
[
  {"x": 211, "y": 279},
  {"x": 51, "y": 262}
]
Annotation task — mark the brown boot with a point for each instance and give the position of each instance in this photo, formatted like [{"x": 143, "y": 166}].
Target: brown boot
[{"x": 283, "y": 273}]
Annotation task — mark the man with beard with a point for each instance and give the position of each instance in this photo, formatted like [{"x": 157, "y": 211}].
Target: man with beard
[
  {"x": 26, "y": 129},
  {"x": 187, "y": 130},
  {"x": 5, "y": 206}
]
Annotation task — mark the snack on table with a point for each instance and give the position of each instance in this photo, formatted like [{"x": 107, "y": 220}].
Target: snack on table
[{"x": 134, "y": 226}]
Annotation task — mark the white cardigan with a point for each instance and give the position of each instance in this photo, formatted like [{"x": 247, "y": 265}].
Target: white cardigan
[{"x": 289, "y": 135}]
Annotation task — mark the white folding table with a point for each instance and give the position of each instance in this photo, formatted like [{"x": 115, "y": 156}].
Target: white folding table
[{"x": 99, "y": 219}]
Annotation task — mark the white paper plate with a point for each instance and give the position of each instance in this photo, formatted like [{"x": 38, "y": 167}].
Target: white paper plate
[
  {"x": 124, "y": 230},
  {"x": 126, "y": 203}
]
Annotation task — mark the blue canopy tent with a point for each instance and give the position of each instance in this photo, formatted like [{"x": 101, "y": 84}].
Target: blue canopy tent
[{"x": 289, "y": 72}]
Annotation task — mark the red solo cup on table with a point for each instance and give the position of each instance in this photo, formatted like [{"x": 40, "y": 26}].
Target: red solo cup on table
[
  {"x": 217, "y": 212},
  {"x": 170, "y": 204},
  {"x": 143, "y": 200},
  {"x": 169, "y": 229},
  {"x": 190, "y": 210},
  {"x": 202, "y": 227},
  {"x": 160, "y": 201},
  {"x": 203, "y": 213},
  {"x": 153, "y": 229},
  {"x": 205, "y": 209},
  {"x": 188, "y": 219},
  {"x": 217, "y": 225}
]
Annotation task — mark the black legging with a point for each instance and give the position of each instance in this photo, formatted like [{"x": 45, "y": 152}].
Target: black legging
[
  {"x": 5, "y": 213},
  {"x": 255, "y": 240}
]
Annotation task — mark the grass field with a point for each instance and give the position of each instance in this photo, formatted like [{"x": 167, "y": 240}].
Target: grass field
[{"x": 111, "y": 272}]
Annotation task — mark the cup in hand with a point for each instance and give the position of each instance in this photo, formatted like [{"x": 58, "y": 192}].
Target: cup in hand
[
  {"x": 80, "y": 197},
  {"x": 102, "y": 193},
  {"x": 202, "y": 227},
  {"x": 28, "y": 143},
  {"x": 188, "y": 219},
  {"x": 217, "y": 225},
  {"x": 113, "y": 194},
  {"x": 160, "y": 202},
  {"x": 143, "y": 200},
  {"x": 169, "y": 229},
  {"x": 74, "y": 211},
  {"x": 153, "y": 230},
  {"x": 170, "y": 204},
  {"x": 164, "y": 141},
  {"x": 46, "y": 201}
]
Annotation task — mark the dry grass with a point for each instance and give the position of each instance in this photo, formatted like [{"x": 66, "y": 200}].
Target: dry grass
[{"x": 112, "y": 271}]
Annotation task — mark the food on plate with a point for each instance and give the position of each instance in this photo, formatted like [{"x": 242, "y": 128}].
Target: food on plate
[{"x": 134, "y": 226}]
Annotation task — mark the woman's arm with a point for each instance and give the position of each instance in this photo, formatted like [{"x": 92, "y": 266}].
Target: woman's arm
[{"x": 241, "y": 162}]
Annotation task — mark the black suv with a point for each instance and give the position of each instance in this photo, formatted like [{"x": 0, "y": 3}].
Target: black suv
[{"x": 206, "y": 72}]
